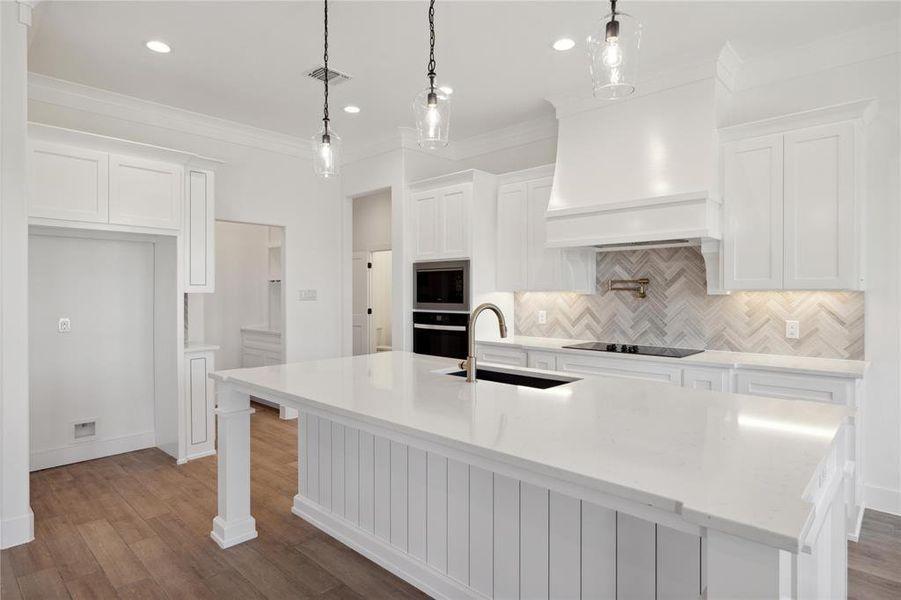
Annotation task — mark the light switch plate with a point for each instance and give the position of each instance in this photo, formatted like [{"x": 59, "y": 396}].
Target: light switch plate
[
  {"x": 542, "y": 317},
  {"x": 64, "y": 325},
  {"x": 306, "y": 295},
  {"x": 792, "y": 330}
]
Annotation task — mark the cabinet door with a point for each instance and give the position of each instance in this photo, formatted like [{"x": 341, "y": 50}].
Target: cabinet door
[
  {"x": 425, "y": 225},
  {"x": 453, "y": 222},
  {"x": 145, "y": 193},
  {"x": 512, "y": 246},
  {"x": 543, "y": 263},
  {"x": 200, "y": 215},
  {"x": 752, "y": 191},
  {"x": 820, "y": 225},
  {"x": 68, "y": 183},
  {"x": 791, "y": 386},
  {"x": 504, "y": 356},
  {"x": 200, "y": 402}
]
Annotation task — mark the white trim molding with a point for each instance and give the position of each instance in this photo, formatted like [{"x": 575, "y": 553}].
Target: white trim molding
[
  {"x": 59, "y": 92},
  {"x": 17, "y": 530},
  {"x": 882, "y": 499},
  {"x": 863, "y": 110}
]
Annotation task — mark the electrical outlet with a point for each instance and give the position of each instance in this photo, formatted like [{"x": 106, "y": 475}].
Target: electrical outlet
[
  {"x": 306, "y": 295},
  {"x": 64, "y": 325},
  {"x": 792, "y": 330},
  {"x": 542, "y": 317}
]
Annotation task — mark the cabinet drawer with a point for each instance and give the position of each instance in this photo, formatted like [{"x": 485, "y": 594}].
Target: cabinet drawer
[
  {"x": 542, "y": 360},
  {"x": 505, "y": 356},
  {"x": 706, "y": 378},
  {"x": 795, "y": 387},
  {"x": 614, "y": 367}
]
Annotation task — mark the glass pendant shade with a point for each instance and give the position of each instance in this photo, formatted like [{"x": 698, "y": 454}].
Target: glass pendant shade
[
  {"x": 613, "y": 48},
  {"x": 326, "y": 153},
  {"x": 432, "y": 112}
]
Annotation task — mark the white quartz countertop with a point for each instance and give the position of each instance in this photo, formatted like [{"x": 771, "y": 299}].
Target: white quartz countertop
[
  {"x": 778, "y": 362},
  {"x": 735, "y": 463}
]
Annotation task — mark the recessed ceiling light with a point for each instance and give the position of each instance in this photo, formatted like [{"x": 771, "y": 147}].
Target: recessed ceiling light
[
  {"x": 350, "y": 108},
  {"x": 158, "y": 46},
  {"x": 564, "y": 44},
  {"x": 447, "y": 89}
]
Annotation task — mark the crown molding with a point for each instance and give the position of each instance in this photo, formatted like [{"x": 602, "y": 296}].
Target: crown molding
[
  {"x": 862, "y": 110},
  {"x": 77, "y": 96},
  {"x": 856, "y": 46}
]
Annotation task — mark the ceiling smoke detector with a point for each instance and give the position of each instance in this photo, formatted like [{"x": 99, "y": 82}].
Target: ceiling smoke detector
[{"x": 334, "y": 77}]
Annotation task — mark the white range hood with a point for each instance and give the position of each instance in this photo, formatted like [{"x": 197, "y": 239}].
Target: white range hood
[{"x": 640, "y": 172}]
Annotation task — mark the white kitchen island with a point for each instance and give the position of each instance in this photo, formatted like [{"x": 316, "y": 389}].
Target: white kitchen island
[{"x": 599, "y": 488}]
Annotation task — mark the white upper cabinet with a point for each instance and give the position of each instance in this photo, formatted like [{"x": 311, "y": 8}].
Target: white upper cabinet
[
  {"x": 441, "y": 222},
  {"x": 68, "y": 183},
  {"x": 145, "y": 193},
  {"x": 752, "y": 251},
  {"x": 524, "y": 263},
  {"x": 792, "y": 206},
  {"x": 199, "y": 229},
  {"x": 820, "y": 248}
]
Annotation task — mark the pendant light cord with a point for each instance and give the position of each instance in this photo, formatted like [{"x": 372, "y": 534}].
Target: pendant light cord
[
  {"x": 432, "y": 46},
  {"x": 325, "y": 77},
  {"x": 612, "y": 10}
]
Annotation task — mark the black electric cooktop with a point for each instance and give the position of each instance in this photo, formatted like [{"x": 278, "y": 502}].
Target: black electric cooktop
[{"x": 633, "y": 349}]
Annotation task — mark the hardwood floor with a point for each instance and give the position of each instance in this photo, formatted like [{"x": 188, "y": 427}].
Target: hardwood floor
[{"x": 136, "y": 526}]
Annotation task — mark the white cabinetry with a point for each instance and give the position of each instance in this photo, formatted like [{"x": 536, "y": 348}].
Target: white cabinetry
[
  {"x": 145, "y": 193},
  {"x": 199, "y": 228},
  {"x": 505, "y": 356},
  {"x": 618, "y": 367},
  {"x": 260, "y": 347},
  {"x": 441, "y": 222},
  {"x": 792, "y": 202},
  {"x": 200, "y": 401},
  {"x": 68, "y": 183},
  {"x": 542, "y": 360},
  {"x": 706, "y": 378},
  {"x": 523, "y": 260}
]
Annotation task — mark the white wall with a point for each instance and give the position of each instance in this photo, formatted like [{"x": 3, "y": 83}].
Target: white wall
[
  {"x": 266, "y": 178},
  {"x": 103, "y": 370},
  {"x": 372, "y": 222},
  {"x": 876, "y": 78},
  {"x": 241, "y": 297},
  {"x": 16, "y": 518}
]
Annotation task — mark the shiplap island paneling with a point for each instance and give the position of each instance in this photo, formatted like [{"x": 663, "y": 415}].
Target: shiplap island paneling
[{"x": 494, "y": 535}]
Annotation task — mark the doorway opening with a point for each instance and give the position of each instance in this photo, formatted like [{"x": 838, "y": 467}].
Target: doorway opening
[{"x": 371, "y": 271}]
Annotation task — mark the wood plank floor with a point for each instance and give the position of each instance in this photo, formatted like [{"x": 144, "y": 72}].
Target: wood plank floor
[{"x": 137, "y": 526}]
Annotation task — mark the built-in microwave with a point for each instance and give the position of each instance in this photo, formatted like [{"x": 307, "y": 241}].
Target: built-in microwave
[{"x": 441, "y": 285}]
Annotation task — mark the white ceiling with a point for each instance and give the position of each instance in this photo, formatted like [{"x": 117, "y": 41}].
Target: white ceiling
[{"x": 245, "y": 61}]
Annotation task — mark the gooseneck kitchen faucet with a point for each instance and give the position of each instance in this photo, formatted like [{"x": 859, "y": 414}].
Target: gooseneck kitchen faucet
[{"x": 470, "y": 363}]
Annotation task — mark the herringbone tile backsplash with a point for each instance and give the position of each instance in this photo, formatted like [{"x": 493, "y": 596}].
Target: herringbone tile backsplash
[{"x": 678, "y": 312}]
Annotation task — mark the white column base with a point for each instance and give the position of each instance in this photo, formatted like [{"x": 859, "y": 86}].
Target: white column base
[
  {"x": 230, "y": 534},
  {"x": 17, "y": 530}
]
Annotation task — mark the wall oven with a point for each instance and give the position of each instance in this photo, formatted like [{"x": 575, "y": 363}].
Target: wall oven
[
  {"x": 441, "y": 285},
  {"x": 441, "y": 334}
]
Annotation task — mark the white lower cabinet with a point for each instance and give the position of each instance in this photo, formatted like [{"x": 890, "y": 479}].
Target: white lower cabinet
[
  {"x": 505, "y": 356},
  {"x": 706, "y": 378},
  {"x": 792, "y": 386},
  {"x": 200, "y": 402},
  {"x": 618, "y": 367}
]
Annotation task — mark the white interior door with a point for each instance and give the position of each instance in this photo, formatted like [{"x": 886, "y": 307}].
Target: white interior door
[
  {"x": 361, "y": 302},
  {"x": 380, "y": 294}
]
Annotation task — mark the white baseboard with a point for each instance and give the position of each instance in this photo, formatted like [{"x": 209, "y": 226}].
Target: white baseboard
[
  {"x": 17, "y": 530},
  {"x": 412, "y": 570},
  {"x": 882, "y": 499},
  {"x": 55, "y": 457}
]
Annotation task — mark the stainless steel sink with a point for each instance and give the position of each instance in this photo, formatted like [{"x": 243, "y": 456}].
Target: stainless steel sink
[{"x": 523, "y": 378}]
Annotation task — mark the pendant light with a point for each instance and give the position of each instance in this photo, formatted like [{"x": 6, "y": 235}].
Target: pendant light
[
  {"x": 326, "y": 143},
  {"x": 431, "y": 107},
  {"x": 613, "y": 48}
]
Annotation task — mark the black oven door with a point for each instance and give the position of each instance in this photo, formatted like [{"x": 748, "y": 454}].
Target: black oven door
[
  {"x": 440, "y": 334},
  {"x": 441, "y": 285}
]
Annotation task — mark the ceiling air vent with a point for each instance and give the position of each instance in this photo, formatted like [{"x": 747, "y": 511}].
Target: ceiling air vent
[{"x": 334, "y": 77}]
